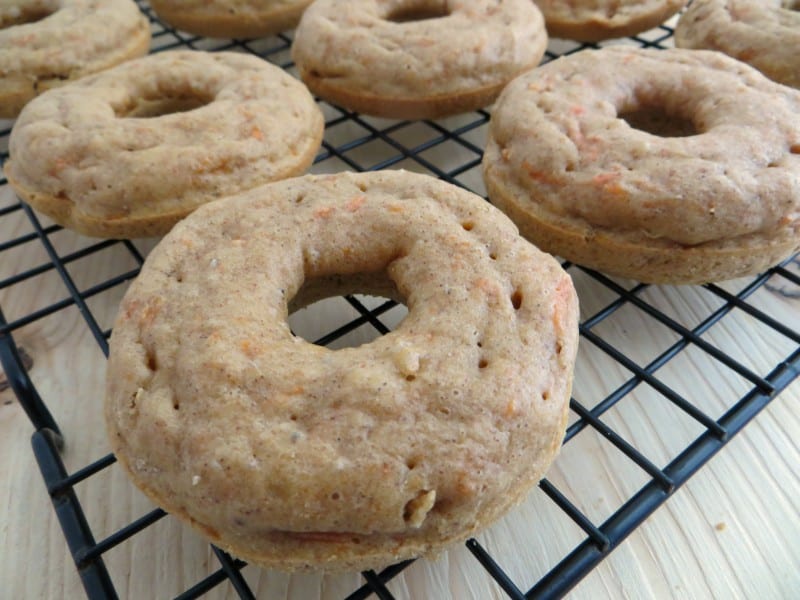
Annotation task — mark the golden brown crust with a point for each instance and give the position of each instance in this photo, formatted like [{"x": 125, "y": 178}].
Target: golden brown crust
[
  {"x": 62, "y": 210},
  {"x": 637, "y": 256},
  {"x": 431, "y": 107},
  {"x": 762, "y": 33},
  {"x": 133, "y": 164},
  {"x": 353, "y": 458},
  {"x": 355, "y": 55},
  {"x": 28, "y": 65},
  {"x": 604, "y": 19},
  {"x": 682, "y": 207},
  {"x": 229, "y": 18}
]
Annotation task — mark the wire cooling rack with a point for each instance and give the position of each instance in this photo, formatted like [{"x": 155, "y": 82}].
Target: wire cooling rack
[{"x": 642, "y": 372}]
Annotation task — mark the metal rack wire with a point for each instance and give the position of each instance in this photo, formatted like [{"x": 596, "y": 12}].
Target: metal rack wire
[{"x": 356, "y": 142}]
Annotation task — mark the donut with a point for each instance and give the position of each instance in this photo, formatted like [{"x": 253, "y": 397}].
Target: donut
[
  {"x": 666, "y": 166},
  {"x": 762, "y": 33},
  {"x": 299, "y": 457},
  {"x": 231, "y": 18},
  {"x": 130, "y": 151},
  {"x": 598, "y": 20},
  {"x": 45, "y": 44},
  {"x": 415, "y": 59}
]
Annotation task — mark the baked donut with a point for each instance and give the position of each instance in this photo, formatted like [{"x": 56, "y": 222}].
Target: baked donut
[
  {"x": 130, "y": 151},
  {"x": 47, "y": 43},
  {"x": 415, "y": 59},
  {"x": 596, "y": 20},
  {"x": 762, "y": 33},
  {"x": 666, "y": 166},
  {"x": 231, "y": 18},
  {"x": 296, "y": 456}
]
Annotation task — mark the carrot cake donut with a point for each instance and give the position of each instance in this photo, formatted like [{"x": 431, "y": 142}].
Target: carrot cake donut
[
  {"x": 296, "y": 456},
  {"x": 130, "y": 151},
  {"x": 762, "y": 33},
  {"x": 667, "y": 166},
  {"x": 596, "y": 20},
  {"x": 46, "y": 43},
  {"x": 416, "y": 59},
  {"x": 231, "y": 18}
]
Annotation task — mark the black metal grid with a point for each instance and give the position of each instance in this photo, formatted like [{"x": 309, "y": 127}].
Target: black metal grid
[{"x": 368, "y": 144}]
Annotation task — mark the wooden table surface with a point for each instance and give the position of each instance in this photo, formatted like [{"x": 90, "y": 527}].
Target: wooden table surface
[{"x": 732, "y": 532}]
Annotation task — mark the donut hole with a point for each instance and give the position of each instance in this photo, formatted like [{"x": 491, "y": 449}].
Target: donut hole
[
  {"x": 148, "y": 108},
  {"x": 655, "y": 119},
  {"x": 375, "y": 307},
  {"x": 420, "y": 10},
  {"x": 22, "y": 15}
]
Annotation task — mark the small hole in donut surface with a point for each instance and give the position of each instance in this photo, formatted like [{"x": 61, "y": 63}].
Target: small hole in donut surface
[
  {"x": 468, "y": 225},
  {"x": 421, "y": 10},
  {"x": 22, "y": 15},
  {"x": 157, "y": 107},
  {"x": 656, "y": 121},
  {"x": 483, "y": 363},
  {"x": 795, "y": 148},
  {"x": 516, "y": 299}
]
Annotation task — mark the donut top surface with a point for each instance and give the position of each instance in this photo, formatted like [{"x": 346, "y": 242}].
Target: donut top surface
[
  {"x": 407, "y": 47},
  {"x": 294, "y": 454},
  {"x": 734, "y": 168},
  {"x": 155, "y": 137},
  {"x": 46, "y": 38}
]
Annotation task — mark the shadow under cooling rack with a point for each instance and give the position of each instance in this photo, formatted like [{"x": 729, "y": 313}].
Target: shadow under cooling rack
[{"x": 627, "y": 377}]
